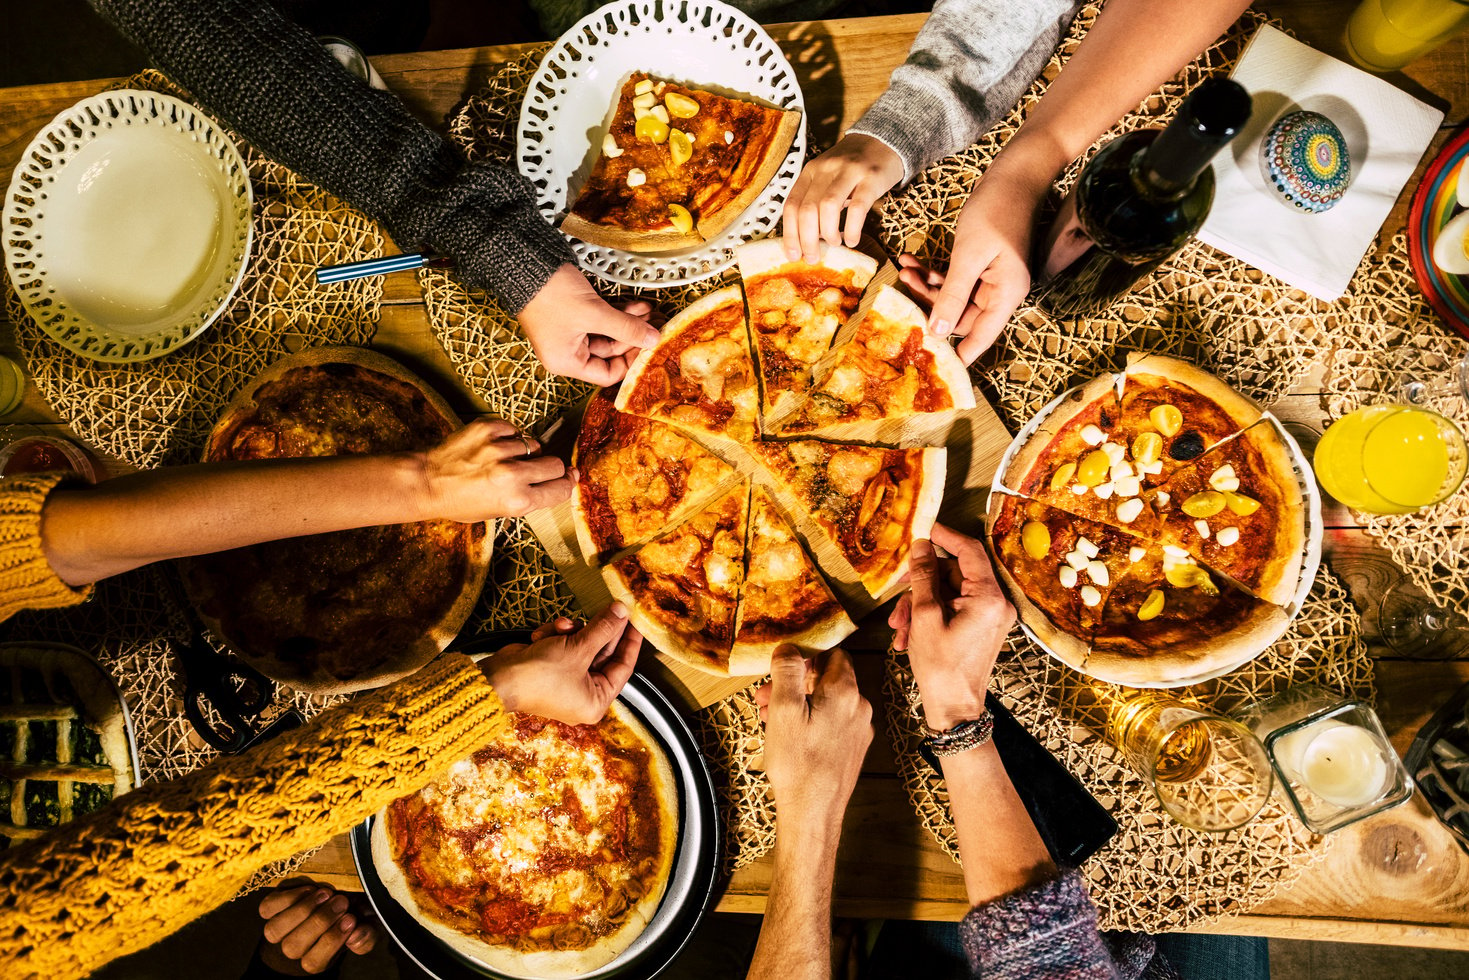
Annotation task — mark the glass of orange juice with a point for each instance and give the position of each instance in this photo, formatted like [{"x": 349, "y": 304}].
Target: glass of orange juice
[
  {"x": 1391, "y": 459},
  {"x": 1384, "y": 35}
]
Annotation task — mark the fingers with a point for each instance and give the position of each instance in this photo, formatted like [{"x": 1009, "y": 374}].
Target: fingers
[
  {"x": 970, "y": 551},
  {"x": 860, "y": 203},
  {"x": 300, "y": 939},
  {"x": 923, "y": 292},
  {"x": 640, "y": 308},
  {"x": 924, "y": 574},
  {"x": 325, "y": 949},
  {"x": 953, "y": 295},
  {"x": 837, "y": 676},
  {"x": 281, "y": 899},
  {"x": 900, "y": 620},
  {"x": 762, "y": 695},
  {"x": 614, "y": 324},
  {"x": 601, "y": 371},
  {"x": 617, "y": 663},
  {"x": 601, "y": 631},
  {"x": 604, "y": 348},
  {"x": 789, "y": 216},
  {"x": 363, "y": 938},
  {"x": 557, "y": 627},
  {"x": 284, "y": 919},
  {"x": 788, "y": 676},
  {"x": 808, "y": 228}
]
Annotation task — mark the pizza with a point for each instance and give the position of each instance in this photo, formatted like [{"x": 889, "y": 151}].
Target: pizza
[
  {"x": 1171, "y": 460},
  {"x": 872, "y": 502},
  {"x": 682, "y": 589},
  {"x": 785, "y": 599},
  {"x": 892, "y": 368},
  {"x": 352, "y": 609},
  {"x": 637, "y": 478},
  {"x": 700, "y": 376},
  {"x": 796, "y": 309},
  {"x": 677, "y": 166},
  {"x": 545, "y": 853}
]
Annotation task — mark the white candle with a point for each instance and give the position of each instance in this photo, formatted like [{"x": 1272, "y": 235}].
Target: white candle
[{"x": 1340, "y": 763}]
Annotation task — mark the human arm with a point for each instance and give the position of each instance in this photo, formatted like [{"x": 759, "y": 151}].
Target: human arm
[
  {"x": 817, "y": 729},
  {"x": 155, "y": 859},
  {"x": 482, "y": 471}
]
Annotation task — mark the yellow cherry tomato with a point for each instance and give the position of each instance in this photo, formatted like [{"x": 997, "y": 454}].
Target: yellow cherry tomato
[
  {"x": 1036, "y": 538},
  {"x": 1166, "y": 419}
]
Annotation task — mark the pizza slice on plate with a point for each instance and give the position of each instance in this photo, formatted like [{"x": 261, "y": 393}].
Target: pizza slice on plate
[
  {"x": 1059, "y": 568},
  {"x": 796, "y": 310},
  {"x": 871, "y": 502},
  {"x": 699, "y": 377},
  {"x": 637, "y": 479},
  {"x": 892, "y": 368},
  {"x": 1239, "y": 509},
  {"x": 682, "y": 589},
  {"x": 785, "y": 600},
  {"x": 1169, "y": 617},
  {"x": 677, "y": 166}
]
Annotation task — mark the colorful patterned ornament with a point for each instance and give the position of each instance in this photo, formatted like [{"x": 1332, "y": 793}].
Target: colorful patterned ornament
[{"x": 1305, "y": 159}]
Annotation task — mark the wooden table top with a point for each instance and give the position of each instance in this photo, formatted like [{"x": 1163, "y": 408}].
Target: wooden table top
[{"x": 1397, "y": 878}]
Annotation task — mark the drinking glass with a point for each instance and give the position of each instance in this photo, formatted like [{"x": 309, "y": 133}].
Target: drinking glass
[
  {"x": 1417, "y": 627},
  {"x": 1391, "y": 459},
  {"x": 1384, "y": 35},
  {"x": 1210, "y": 773}
]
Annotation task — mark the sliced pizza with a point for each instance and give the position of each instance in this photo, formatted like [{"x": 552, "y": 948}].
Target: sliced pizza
[
  {"x": 796, "y": 309},
  {"x": 892, "y": 368},
  {"x": 677, "y": 166},
  {"x": 699, "y": 376},
  {"x": 1239, "y": 509},
  {"x": 637, "y": 478},
  {"x": 785, "y": 599},
  {"x": 682, "y": 589},
  {"x": 1059, "y": 569},
  {"x": 871, "y": 502}
]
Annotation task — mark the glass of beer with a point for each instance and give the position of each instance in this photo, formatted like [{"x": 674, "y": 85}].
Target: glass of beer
[
  {"x": 1391, "y": 459},
  {"x": 1209, "y": 772},
  {"x": 1384, "y": 35}
]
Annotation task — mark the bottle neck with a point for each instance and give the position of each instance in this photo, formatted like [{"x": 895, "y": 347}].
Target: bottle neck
[{"x": 1209, "y": 118}]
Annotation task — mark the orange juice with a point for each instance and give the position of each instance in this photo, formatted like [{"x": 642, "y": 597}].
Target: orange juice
[
  {"x": 1384, "y": 35},
  {"x": 1390, "y": 459}
]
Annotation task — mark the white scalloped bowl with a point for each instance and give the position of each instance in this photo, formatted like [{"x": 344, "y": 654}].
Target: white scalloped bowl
[
  {"x": 126, "y": 226},
  {"x": 568, "y": 104}
]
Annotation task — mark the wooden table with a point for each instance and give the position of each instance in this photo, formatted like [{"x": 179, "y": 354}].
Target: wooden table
[{"x": 1397, "y": 878}]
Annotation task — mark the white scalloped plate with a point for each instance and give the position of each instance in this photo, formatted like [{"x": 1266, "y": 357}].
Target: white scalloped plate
[
  {"x": 702, "y": 43},
  {"x": 126, "y": 226}
]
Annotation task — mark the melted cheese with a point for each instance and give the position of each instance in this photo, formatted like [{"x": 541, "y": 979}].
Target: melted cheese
[{"x": 850, "y": 469}]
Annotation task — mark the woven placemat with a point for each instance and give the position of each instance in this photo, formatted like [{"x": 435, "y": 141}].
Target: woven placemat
[
  {"x": 1391, "y": 329},
  {"x": 1155, "y": 875},
  {"x": 1249, "y": 328},
  {"x": 160, "y": 411}
]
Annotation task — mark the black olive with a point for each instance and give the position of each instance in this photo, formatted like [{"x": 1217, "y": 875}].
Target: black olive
[{"x": 1189, "y": 445}]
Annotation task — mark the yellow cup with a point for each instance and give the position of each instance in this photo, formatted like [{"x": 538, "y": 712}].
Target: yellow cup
[{"x": 1384, "y": 35}]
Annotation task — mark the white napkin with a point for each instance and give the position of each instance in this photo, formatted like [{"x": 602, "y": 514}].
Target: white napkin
[{"x": 1386, "y": 132}]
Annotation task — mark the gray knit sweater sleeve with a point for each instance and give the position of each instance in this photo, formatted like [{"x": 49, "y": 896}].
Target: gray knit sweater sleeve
[
  {"x": 278, "y": 88},
  {"x": 970, "y": 64}
]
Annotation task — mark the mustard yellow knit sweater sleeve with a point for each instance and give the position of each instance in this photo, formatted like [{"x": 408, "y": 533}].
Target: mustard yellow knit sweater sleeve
[
  {"x": 26, "y": 578},
  {"x": 160, "y": 856}
]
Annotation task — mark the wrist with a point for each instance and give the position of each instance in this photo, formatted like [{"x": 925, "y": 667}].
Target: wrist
[
  {"x": 1029, "y": 166},
  {"x": 413, "y": 479},
  {"x": 809, "y": 830}
]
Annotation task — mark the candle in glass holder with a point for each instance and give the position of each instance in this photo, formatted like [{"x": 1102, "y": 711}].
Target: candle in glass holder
[{"x": 1340, "y": 763}]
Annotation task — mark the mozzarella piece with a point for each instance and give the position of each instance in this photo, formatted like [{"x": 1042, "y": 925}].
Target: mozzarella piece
[
  {"x": 1228, "y": 536},
  {"x": 1128, "y": 486},
  {"x": 1067, "y": 575},
  {"x": 1104, "y": 490},
  {"x": 1202, "y": 526},
  {"x": 1128, "y": 510},
  {"x": 1136, "y": 553},
  {"x": 636, "y": 178},
  {"x": 1162, "y": 499},
  {"x": 1087, "y": 548},
  {"x": 1115, "y": 452},
  {"x": 1090, "y": 596},
  {"x": 1097, "y": 572},
  {"x": 1225, "y": 480},
  {"x": 1079, "y": 489},
  {"x": 1174, "y": 551},
  {"x": 1092, "y": 436},
  {"x": 1077, "y": 560}
]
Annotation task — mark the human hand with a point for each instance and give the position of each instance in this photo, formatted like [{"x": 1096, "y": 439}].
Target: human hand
[
  {"x": 488, "y": 469},
  {"x": 850, "y": 176},
  {"x": 577, "y": 333},
  {"x": 952, "y": 624},
  {"x": 565, "y": 675},
  {"x": 817, "y": 729},
  {"x": 307, "y": 927}
]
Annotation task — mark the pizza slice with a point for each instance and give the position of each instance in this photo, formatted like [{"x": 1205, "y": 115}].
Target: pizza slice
[
  {"x": 892, "y": 368},
  {"x": 1167, "y": 616},
  {"x": 796, "y": 309},
  {"x": 870, "y": 501},
  {"x": 1172, "y": 413},
  {"x": 1239, "y": 509},
  {"x": 637, "y": 478},
  {"x": 1059, "y": 569},
  {"x": 785, "y": 599},
  {"x": 682, "y": 589},
  {"x": 699, "y": 376},
  {"x": 677, "y": 166}
]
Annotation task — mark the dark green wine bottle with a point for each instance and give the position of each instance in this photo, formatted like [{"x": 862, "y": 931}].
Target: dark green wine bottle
[{"x": 1139, "y": 200}]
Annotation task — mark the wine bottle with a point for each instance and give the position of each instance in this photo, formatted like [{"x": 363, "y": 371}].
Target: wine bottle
[{"x": 1139, "y": 200}]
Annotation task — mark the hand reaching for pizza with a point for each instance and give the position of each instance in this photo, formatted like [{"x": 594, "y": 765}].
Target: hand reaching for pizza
[
  {"x": 488, "y": 469},
  {"x": 817, "y": 729},
  {"x": 952, "y": 624},
  {"x": 577, "y": 333},
  {"x": 567, "y": 674},
  {"x": 850, "y": 176},
  {"x": 307, "y": 927}
]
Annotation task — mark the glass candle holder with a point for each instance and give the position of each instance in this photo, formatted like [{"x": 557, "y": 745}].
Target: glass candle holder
[{"x": 1334, "y": 760}]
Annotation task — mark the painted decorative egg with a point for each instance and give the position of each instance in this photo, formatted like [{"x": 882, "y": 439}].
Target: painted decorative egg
[{"x": 1304, "y": 157}]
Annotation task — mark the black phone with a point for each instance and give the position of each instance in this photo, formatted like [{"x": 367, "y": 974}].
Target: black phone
[{"x": 1069, "y": 819}]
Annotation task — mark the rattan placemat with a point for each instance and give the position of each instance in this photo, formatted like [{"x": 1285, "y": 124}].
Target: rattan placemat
[
  {"x": 1155, "y": 875},
  {"x": 159, "y": 411},
  {"x": 1390, "y": 329}
]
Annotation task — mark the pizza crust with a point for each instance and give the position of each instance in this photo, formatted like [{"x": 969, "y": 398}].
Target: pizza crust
[
  {"x": 768, "y": 257},
  {"x": 1025, "y": 460},
  {"x": 611, "y": 236},
  {"x": 1242, "y": 410},
  {"x": 711, "y": 226},
  {"x": 933, "y": 471},
  {"x": 1129, "y": 663}
]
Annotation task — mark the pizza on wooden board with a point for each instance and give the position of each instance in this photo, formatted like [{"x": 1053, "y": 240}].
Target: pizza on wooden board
[
  {"x": 892, "y": 368},
  {"x": 636, "y": 479},
  {"x": 796, "y": 309},
  {"x": 352, "y": 609},
  {"x": 677, "y": 166},
  {"x": 545, "y": 853}
]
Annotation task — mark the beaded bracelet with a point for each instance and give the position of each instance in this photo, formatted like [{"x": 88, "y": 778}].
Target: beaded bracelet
[{"x": 962, "y": 737}]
